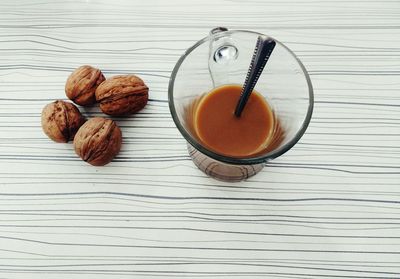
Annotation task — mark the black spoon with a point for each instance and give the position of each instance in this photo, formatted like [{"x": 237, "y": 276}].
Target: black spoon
[{"x": 262, "y": 52}]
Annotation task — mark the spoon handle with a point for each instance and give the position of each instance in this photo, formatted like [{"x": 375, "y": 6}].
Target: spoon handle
[{"x": 262, "y": 52}]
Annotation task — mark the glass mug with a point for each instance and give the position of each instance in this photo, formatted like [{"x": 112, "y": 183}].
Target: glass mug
[{"x": 223, "y": 58}]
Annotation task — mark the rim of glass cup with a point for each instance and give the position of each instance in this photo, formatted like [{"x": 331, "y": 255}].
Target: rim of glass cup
[{"x": 232, "y": 160}]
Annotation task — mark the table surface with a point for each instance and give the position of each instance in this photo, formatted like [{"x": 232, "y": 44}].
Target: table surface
[{"x": 328, "y": 208}]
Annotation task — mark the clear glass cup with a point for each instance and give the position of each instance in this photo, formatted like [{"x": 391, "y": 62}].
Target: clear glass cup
[{"x": 223, "y": 58}]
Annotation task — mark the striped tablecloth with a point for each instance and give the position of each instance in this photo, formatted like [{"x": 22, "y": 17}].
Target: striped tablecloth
[{"x": 329, "y": 208}]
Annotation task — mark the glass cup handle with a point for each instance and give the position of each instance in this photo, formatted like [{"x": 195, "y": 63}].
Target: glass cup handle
[
  {"x": 222, "y": 53},
  {"x": 218, "y": 30}
]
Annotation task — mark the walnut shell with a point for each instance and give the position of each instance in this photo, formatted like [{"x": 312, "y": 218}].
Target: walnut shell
[
  {"x": 122, "y": 95},
  {"x": 98, "y": 141},
  {"x": 82, "y": 83},
  {"x": 61, "y": 120}
]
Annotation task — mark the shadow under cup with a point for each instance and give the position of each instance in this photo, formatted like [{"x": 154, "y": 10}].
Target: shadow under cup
[{"x": 221, "y": 59}]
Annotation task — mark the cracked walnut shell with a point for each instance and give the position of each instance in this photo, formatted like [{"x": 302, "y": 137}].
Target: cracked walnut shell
[
  {"x": 61, "y": 120},
  {"x": 122, "y": 95},
  {"x": 82, "y": 83},
  {"x": 98, "y": 141}
]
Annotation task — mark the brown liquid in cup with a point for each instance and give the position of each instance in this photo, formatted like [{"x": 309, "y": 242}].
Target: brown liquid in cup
[{"x": 218, "y": 129}]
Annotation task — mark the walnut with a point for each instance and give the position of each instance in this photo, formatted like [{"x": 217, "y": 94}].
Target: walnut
[
  {"x": 82, "y": 83},
  {"x": 98, "y": 141},
  {"x": 122, "y": 95},
  {"x": 61, "y": 120}
]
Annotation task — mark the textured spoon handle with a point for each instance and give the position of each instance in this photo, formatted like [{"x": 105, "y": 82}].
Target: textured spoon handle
[{"x": 262, "y": 52}]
